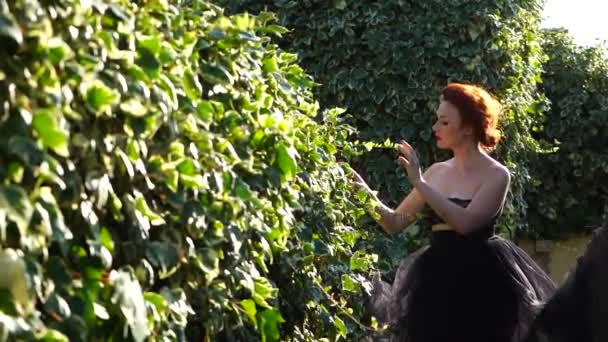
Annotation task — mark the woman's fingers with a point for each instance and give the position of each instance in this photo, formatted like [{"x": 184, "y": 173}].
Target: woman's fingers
[
  {"x": 405, "y": 149},
  {"x": 404, "y": 162},
  {"x": 408, "y": 151},
  {"x": 357, "y": 177}
]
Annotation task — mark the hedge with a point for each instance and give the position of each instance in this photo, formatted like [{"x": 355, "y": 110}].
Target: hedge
[{"x": 166, "y": 175}]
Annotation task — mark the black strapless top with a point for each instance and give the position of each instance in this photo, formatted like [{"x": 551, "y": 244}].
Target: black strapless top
[{"x": 483, "y": 233}]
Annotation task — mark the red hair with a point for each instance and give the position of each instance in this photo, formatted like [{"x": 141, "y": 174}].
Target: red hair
[{"x": 478, "y": 109}]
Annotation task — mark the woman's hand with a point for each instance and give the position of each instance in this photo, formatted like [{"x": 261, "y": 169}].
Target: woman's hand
[
  {"x": 358, "y": 182},
  {"x": 409, "y": 160}
]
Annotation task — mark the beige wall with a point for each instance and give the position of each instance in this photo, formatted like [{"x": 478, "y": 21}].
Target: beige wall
[{"x": 557, "y": 258}]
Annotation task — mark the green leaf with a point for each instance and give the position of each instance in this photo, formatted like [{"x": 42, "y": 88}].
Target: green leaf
[
  {"x": 100, "y": 97},
  {"x": 242, "y": 190},
  {"x": 187, "y": 167},
  {"x": 59, "y": 50},
  {"x": 192, "y": 182},
  {"x": 249, "y": 307},
  {"x": 276, "y": 29},
  {"x": 362, "y": 260},
  {"x": 58, "y": 305},
  {"x": 263, "y": 290},
  {"x": 340, "y": 326},
  {"x": 133, "y": 107},
  {"x": 192, "y": 86},
  {"x": 150, "y": 43},
  {"x": 167, "y": 55},
  {"x": 46, "y": 127},
  {"x": 164, "y": 256},
  {"x": 100, "y": 311},
  {"x": 268, "y": 322},
  {"x": 286, "y": 161},
  {"x": 270, "y": 64},
  {"x": 10, "y": 33},
  {"x": 178, "y": 305},
  {"x": 149, "y": 63},
  {"x": 105, "y": 238},
  {"x": 167, "y": 85},
  {"x": 142, "y": 206},
  {"x": 349, "y": 284},
  {"x": 74, "y": 328},
  {"x": 58, "y": 273},
  {"x": 15, "y": 278},
  {"x": 159, "y": 301},
  {"x": 51, "y": 335},
  {"x": 172, "y": 180},
  {"x": 7, "y": 303},
  {"x": 26, "y": 149},
  {"x": 205, "y": 111},
  {"x": 128, "y": 295},
  {"x": 209, "y": 263},
  {"x": 216, "y": 74},
  {"x": 340, "y": 4},
  {"x": 15, "y": 202}
]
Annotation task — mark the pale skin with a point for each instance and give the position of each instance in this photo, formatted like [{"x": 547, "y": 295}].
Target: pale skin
[{"x": 470, "y": 174}]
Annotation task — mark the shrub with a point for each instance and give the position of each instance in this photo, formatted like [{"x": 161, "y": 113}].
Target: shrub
[
  {"x": 162, "y": 178},
  {"x": 569, "y": 194}
]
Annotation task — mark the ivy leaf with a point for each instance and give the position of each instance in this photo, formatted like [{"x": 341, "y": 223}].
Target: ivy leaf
[
  {"x": 286, "y": 161},
  {"x": 100, "y": 98},
  {"x": 10, "y": 33},
  {"x": 269, "y": 321},
  {"x": 51, "y": 335},
  {"x": 159, "y": 301},
  {"x": 349, "y": 284},
  {"x": 270, "y": 64},
  {"x": 209, "y": 262},
  {"x": 128, "y": 295},
  {"x": 216, "y": 74},
  {"x": 276, "y": 29},
  {"x": 59, "y": 50},
  {"x": 133, "y": 107},
  {"x": 249, "y": 307},
  {"x": 178, "y": 305},
  {"x": 15, "y": 202},
  {"x": 150, "y": 43},
  {"x": 149, "y": 63},
  {"x": 191, "y": 85},
  {"x": 339, "y": 324},
  {"x": 362, "y": 260},
  {"x": 58, "y": 306},
  {"x": 46, "y": 127},
  {"x": 142, "y": 206},
  {"x": 243, "y": 191},
  {"x": 163, "y": 256}
]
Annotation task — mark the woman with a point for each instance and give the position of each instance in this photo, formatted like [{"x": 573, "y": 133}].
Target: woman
[{"x": 469, "y": 284}]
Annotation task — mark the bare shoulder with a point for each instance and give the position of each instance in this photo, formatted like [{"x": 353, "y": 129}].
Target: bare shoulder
[
  {"x": 437, "y": 168},
  {"x": 498, "y": 172}
]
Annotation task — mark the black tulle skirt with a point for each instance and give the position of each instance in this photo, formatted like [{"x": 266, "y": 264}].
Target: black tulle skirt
[{"x": 462, "y": 288}]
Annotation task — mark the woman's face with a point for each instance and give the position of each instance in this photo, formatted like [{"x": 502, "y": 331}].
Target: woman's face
[{"x": 448, "y": 129}]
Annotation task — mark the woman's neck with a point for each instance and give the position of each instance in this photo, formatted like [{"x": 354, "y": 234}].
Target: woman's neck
[{"x": 468, "y": 156}]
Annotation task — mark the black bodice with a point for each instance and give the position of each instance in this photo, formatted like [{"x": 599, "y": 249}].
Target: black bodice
[{"x": 480, "y": 234}]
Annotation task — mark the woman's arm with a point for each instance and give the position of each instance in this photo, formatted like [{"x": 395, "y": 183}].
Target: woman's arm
[
  {"x": 483, "y": 207},
  {"x": 394, "y": 221}
]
